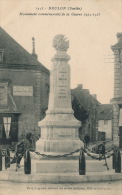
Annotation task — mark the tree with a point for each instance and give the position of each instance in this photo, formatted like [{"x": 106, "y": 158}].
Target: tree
[{"x": 80, "y": 112}]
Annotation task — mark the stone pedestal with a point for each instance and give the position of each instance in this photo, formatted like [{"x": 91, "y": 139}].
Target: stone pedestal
[
  {"x": 69, "y": 166},
  {"x": 59, "y": 134},
  {"x": 59, "y": 129}
]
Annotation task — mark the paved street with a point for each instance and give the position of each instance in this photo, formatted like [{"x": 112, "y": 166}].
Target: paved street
[{"x": 12, "y": 188}]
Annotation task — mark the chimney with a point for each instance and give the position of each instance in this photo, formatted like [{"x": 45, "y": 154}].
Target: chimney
[
  {"x": 80, "y": 86},
  {"x": 86, "y": 91},
  {"x": 119, "y": 37},
  {"x": 95, "y": 96},
  {"x": 33, "y": 48}
]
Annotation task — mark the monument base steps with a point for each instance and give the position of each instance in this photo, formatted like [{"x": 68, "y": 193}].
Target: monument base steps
[
  {"x": 64, "y": 166},
  {"x": 58, "y": 146}
]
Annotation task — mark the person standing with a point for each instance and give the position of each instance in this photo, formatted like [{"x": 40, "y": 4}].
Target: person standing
[
  {"x": 86, "y": 140},
  {"x": 19, "y": 153},
  {"x": 101, "y": 151}
]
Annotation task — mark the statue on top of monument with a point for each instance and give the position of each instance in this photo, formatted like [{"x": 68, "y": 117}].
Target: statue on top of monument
[{"x": 60, "y": 43}]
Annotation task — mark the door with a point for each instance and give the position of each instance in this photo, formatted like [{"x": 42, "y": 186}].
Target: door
[{"x": 120, "y": 137}]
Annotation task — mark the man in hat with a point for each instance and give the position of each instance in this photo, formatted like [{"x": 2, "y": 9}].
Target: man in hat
[
  {"x": 19, "y": 153},
  {"x": 101, "y": 151},
  {"x": 86, "y": 140},
  {"x": 101, "y": 148}
]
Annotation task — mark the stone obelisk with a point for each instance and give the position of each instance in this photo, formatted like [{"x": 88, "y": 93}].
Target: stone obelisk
[{"x": 59, "y": 129}]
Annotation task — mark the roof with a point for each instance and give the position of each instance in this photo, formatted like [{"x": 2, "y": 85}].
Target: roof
[
  {"x": 15, "y": 54},
  {"x": 119, "y": 44},
  {"x": 105, "y": 112},
  {"x": 84, "y": 98},
  {"x": 10, "y": 107}
]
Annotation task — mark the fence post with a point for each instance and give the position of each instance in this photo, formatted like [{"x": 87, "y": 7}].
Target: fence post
[
  {"x": 82, "y": 163},
  {"x": 8, "y": 154},
  {"x": 114, "y": 159},
  {"x": 7, "y": 158},
  {"x": 118, "y": 162},
  {"x": 0, "y": 159},
  {"x": 27, "y": 162}
]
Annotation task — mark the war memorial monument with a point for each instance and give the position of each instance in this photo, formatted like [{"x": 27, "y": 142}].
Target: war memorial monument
[
  {"x": 57, "y": 158},
  {"x": 59, "y": 128}
]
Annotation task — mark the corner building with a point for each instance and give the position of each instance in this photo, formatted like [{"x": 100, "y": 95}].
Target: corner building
[
  {"x": 117, "y": 100},
  {"x": 24, "y": 89}
]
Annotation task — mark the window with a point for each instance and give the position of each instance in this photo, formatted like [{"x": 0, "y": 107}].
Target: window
[
  {"x": 1, "y": 129},
  {"x": 97, "y": 124},
  {"x": 3, "y": 94},
  {"x": 7, "y": 125},
  {"x": 105, "y": 122},
  {"x": 1, "y": 55}
]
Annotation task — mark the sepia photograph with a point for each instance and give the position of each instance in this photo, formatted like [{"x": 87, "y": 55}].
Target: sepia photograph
[{"x": 60, "y": 97}]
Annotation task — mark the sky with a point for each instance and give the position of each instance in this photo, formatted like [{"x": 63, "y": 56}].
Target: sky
[{"x": 90, "y": 37}]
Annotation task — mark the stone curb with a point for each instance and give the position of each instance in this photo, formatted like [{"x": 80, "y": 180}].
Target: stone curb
[{"x": 62, "y": 178}]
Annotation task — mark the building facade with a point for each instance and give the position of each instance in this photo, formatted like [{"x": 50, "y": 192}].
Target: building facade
[
  {"x": 117, "y": 99},
  {"x": 105, "y": 116},
  {"x": 24, "y": 89}
]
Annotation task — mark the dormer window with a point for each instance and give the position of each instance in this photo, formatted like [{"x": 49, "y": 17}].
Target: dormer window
[
  {"x": 1, "y": 55},
  {"x": 3, "y": 93}
]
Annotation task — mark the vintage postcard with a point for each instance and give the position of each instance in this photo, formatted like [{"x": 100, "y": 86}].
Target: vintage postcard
[{"x": 60, "y": 96}]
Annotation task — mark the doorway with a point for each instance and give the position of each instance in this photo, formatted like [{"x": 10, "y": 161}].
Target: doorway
[{"x": 120, "y": 137}]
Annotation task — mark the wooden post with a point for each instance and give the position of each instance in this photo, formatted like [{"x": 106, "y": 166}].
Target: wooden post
[
  {"x": 7, "y": 158},
  {"x": 118, "y": 162},
  {"x": 27, "y": 163},
  {"x": 114, "y": 159},
  {"x": 82, "y": 163},
  {"x": 0, "y": 159}
]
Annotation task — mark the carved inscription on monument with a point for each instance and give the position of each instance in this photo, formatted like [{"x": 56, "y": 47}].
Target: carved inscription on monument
[{"x": 62, "y": 83}]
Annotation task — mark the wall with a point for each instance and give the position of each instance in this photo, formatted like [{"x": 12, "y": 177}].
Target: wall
[
  {"x": 117, "y": 100},
  {"x": 120, "y": 86},
  {"x": 107, "y": 128},
  {"x": 32, "y": 107}
]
